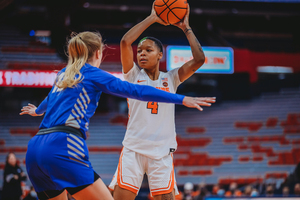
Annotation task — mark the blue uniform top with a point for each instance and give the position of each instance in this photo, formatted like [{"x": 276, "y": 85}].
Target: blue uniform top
[{"x": 74, "y": 106}]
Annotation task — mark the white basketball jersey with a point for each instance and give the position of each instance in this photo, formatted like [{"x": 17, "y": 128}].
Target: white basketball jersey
[{"x": 151, "y": 125}]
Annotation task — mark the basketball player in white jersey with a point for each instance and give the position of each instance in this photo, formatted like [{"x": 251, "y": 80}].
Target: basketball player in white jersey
[{"x": 150, "y": 138}]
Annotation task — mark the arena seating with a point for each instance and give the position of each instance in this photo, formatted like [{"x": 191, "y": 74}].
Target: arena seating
[
  {"x": 256, "y": 135},
  {"x": 15, "y": 49},
  {"x": 36, "y": 66},
  {"x": 19, "y": 51},
  {"x": 215, "y": 146},
  {"x": 242, "y": 141},
  {"x": 266, "y": 41}
]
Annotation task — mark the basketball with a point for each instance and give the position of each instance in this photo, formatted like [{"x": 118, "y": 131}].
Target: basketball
[{"x": 171, "y": 11}]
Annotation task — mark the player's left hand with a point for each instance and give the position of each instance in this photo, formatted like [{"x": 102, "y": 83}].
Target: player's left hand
[
  {"x": 197, "y": 102},
  {"x": 184, "y": 24},
  {"x": 30, "y": 110}
]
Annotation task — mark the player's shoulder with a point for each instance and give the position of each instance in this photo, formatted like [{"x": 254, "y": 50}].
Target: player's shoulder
[
  {"x": 167, "y": 74},
  {"x": 63, "y": 70},
  {"x": 91, "y": 71},
  {"x": 135, "y": 69},
  {"x": 87, "y": 67}
]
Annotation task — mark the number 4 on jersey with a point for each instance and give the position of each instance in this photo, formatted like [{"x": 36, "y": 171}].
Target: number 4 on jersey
[{"x": 153, "y": 106}]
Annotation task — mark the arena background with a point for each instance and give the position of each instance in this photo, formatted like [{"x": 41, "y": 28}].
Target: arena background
[{"x": 251, "y": 136}]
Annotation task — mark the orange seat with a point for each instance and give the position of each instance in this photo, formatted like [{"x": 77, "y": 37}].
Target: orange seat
[
  {"x": 226, "y": 159},
  {"x": 276, "y": 175},
  {"x": 244, "y": 159},
  {"x": 251, "y": 126},
  {"x": 195, "y": 130},
  {"x": 179, "y": 162},
  {"x": 202, "y": 172},
  {"x": 243, "y": 147},
  {"x": 272, "y": 122},
  {"x": 2, "y": 142},
  {"x": 258, "y": 158},
  {"x": 225, "y": 181},
  {"x": 119, "y": 119},
  {"x": 183, "y": 173},
  {"x": 233, "y": 139}
]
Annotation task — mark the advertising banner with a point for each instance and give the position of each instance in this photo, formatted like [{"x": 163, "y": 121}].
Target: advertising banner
[
  {"x": 32, "y": 78},
  {"x": 218, "y": 60}
]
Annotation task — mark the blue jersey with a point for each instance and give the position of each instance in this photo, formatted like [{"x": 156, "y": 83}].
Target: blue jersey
[{"x": 74, "y": 106}]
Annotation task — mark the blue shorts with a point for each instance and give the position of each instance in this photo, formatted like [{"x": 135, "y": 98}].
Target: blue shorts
[{"x": 57, "y": 161}]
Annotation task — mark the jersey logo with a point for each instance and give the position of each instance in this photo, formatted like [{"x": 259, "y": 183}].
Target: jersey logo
[
  {"x": 165, "y": 84},
  {"x": 139, "y": 81}
]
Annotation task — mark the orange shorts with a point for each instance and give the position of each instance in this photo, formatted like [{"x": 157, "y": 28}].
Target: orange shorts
[{"x": 132, "y": 167}]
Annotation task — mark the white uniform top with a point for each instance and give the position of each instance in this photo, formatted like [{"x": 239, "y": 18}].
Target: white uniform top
[{"x": 151, "y": 125}]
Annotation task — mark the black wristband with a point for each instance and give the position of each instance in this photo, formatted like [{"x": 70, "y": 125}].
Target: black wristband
[{"x": 187, "y": 30}]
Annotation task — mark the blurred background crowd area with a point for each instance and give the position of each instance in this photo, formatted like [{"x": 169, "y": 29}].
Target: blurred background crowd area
[{"x": 247, "y": 144}]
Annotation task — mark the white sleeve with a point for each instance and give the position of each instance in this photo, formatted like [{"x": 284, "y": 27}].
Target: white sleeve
[
  {"x": 9, "y": 177},
  {"x": 132, "y": 74},
  {"x": 175, "y": 77}
]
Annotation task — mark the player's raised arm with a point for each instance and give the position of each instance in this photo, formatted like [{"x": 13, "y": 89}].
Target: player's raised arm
[
  {"x": 132, "y": 35},
  {"x": 189, "y": 68}
]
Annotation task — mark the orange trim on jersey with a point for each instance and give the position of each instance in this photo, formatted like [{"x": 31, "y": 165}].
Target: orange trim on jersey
[
  {"x": 121, "y": 183},
  {"x": 128, "y": 109},
  {"x": 169, "y": 188}
]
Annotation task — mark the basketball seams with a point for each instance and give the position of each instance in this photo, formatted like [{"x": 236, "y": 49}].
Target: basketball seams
[
  {"x": 165, "y": 4},
  {"x": 174, "y": 13},
  {"x": 170, "y": 10}
]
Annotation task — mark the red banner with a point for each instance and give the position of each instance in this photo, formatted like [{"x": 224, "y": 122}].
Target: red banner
[{"x": 30, "y": 78}]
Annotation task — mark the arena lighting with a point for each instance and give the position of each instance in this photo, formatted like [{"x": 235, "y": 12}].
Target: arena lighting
[
  {"x": 30, "y": 78},
  {"x": 42, "y": 33},
  {"x": 32, "y": 33},
  {"x": 275, "y": 69}
]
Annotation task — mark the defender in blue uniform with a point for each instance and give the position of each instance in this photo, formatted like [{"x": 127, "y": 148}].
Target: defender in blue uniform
[{"x": 57, "y": 158}]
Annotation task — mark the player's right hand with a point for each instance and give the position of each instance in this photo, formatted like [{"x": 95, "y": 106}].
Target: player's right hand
[
  {"x": 157, "y": 19},
  {"x": 30, "y": 110},
  {"x": 184, "y": 24},
  {"x": 197, "y": 102}
]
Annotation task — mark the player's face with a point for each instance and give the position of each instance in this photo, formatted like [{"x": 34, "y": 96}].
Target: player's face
[{"x": 148, "y": 54}]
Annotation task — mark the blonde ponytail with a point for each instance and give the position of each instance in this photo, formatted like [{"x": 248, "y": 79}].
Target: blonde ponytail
[{"x": 81, "y": 47}]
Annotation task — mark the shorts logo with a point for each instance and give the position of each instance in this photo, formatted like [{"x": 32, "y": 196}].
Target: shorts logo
[
  {"x": 172, "y": 150},
  {"x": 165, "y": 84}
]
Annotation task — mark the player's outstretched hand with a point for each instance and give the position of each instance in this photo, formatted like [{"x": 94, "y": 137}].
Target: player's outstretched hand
[
  {"x": 197, "y": 102},
  {"x": 30, "y": 110}
]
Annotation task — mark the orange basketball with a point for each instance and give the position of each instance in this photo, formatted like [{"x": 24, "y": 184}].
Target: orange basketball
[{"x": 171, "y": 11}]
